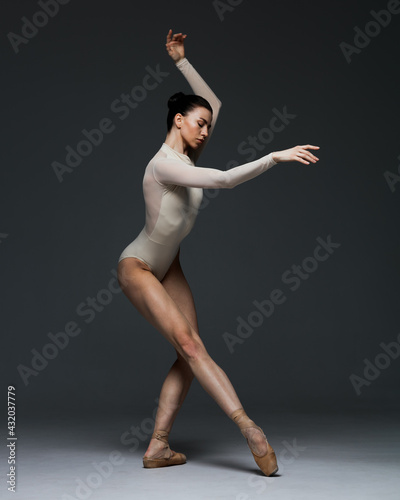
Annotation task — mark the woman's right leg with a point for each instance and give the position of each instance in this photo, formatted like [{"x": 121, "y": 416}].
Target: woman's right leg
[{"x": 151, "y": 299}]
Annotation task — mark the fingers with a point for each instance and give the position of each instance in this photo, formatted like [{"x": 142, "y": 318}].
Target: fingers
[
  {"x": 303, "y": 155},
  {"x": 299, "y": 157},
  {"x": 177, "y": 38},
  {"x": 312, "y": 157},
  {"x": 172, "y": 38},
  {"x": 307, "y": 154}
]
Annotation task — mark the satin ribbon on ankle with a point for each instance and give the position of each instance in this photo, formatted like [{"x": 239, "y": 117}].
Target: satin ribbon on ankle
[{"x": 161, "y": 436}]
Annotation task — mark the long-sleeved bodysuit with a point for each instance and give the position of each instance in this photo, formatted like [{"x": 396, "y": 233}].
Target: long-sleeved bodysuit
[{"x": 172, "y": 189}]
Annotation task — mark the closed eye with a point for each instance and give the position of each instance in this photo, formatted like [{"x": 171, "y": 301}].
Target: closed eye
[{"x": 202, "y": 125}]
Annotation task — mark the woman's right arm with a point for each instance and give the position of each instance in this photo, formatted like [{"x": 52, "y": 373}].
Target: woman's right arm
[
  {"x": 200, "y": 87},
  {"x": 176, "y": 49},
  {"x": 170, "y": 171}
]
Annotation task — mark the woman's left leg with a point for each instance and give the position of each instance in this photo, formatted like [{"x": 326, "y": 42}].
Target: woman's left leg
[{"x": 180, "y": 376}]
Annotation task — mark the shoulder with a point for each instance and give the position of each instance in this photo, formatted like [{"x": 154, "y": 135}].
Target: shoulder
[{"x": 160, "y": 155}]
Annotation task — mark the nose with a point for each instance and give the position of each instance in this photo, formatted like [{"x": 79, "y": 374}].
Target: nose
[{"x": 204, "y": 132}]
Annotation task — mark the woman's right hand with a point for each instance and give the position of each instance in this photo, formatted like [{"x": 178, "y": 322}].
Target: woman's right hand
[{"x": 175, "y": 46}]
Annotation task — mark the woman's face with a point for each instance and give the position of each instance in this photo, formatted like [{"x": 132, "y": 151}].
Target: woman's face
[{"x": 194, "y": 126}]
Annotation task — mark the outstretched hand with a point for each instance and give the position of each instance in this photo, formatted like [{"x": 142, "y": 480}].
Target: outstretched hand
[
  {"x": 175, "y": 46},
  {"x": 298, "y": 153}
]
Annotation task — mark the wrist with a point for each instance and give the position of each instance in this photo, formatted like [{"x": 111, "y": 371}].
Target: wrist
[
  {"x": 180, "y": 60},
  {"x": 274, "y": 157}
]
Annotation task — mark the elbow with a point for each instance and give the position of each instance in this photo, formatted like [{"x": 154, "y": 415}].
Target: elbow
[
  {"x": 216, "y": 106},
  {"x": 225, "y": 180}
]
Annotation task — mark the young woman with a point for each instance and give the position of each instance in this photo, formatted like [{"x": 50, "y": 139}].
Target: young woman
[{"x": 149, "y": 271}]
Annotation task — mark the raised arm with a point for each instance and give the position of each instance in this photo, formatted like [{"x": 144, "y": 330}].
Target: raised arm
[
  {"x": 200, "y": 88},
  {"x": 175, "y": 49}
]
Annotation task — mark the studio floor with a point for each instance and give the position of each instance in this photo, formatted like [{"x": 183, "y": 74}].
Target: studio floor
[{"x": 353, "y": 455}]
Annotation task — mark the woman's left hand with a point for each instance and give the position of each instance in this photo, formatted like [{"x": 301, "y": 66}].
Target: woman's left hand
[
  {"x": 175, "y": 46},
  {"x": 298, "y": 153}
]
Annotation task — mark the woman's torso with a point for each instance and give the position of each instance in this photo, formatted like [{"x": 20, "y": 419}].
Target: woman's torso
[
  {"x": 171, "y": 210},
  {"x": 170, "y": 213}
]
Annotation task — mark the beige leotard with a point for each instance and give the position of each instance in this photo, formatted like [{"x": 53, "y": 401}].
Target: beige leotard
[{"x": 172, "y": 189}]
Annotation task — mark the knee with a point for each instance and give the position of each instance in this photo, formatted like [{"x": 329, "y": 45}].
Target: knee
[{"x": 191, "y": 347}]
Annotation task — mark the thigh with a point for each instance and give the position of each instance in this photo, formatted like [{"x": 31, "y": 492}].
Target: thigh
[
  {"x": 179, "y": 290},
  {"x": 154, "y": 302}
]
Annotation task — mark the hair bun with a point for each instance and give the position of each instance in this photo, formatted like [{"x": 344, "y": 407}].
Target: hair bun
[{"x": 172, "y": 101}]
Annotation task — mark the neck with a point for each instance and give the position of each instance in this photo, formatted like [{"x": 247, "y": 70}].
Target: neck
[{"x": 175, "y": 141}]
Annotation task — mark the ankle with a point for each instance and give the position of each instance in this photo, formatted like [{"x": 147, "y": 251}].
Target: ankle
[
  {"x": 160, "y": 435},
  {"x": 241, "y": 419}
]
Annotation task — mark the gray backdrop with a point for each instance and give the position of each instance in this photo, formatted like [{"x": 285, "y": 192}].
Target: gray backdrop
[{"x": 333, "y": 341}]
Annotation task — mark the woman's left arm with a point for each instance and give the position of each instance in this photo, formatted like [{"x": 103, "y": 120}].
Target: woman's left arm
[{"x": 176, "y": 50}]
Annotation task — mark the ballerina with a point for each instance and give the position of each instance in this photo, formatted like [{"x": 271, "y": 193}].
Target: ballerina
[{"x": 149, "y": 270}]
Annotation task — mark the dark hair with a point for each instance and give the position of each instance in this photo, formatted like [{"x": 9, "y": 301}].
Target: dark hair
[{"x": 183, "y": 103}]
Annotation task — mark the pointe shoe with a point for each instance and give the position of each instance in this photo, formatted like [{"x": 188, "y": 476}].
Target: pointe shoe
[
  {"x": 267, "y": 463},
  {"x": 174, "y": 459}
]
